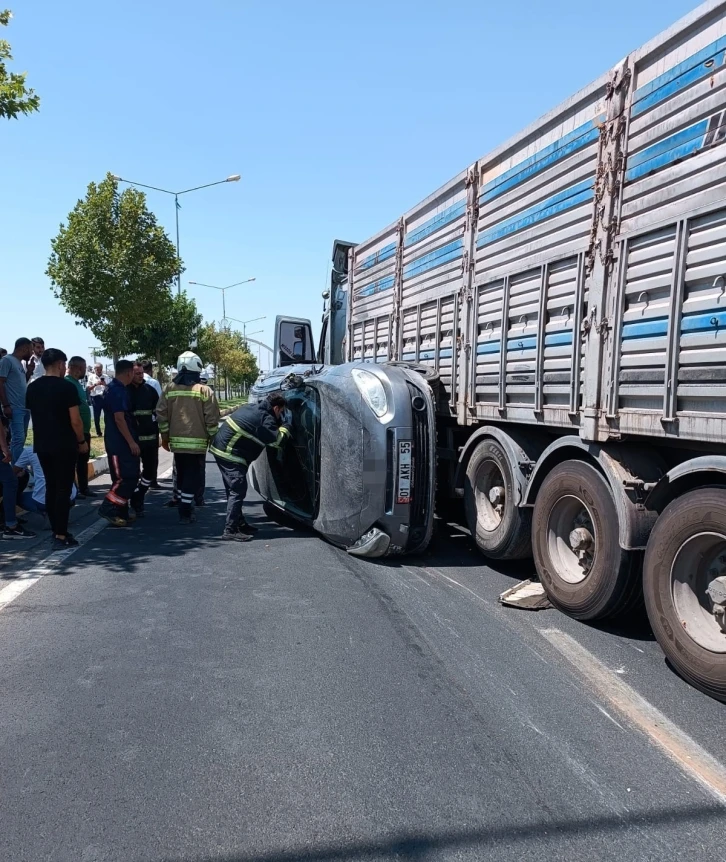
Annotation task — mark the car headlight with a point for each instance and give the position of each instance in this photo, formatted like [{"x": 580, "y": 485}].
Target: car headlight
[{"x": 371, "y": 388}]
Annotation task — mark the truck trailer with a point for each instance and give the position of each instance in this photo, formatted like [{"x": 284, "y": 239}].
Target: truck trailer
[{"x": 565, "y": 298}]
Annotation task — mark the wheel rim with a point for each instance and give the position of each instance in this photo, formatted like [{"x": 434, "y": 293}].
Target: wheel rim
[
  {"x": 571, "y": 539},
  {"x": 700, "y": 560},
  {"x": 489, "y": 496}
]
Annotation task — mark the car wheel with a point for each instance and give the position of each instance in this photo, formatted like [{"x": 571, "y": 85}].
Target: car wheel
[
  {"x": 500, "y": 528},
  {"x": 684, "y": 580},
  {"x": 577, "y": 552}
]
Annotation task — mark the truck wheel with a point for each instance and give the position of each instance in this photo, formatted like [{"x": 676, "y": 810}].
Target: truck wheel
[
  {"x": 583, "y": 569},
  {"x": 684, "y": 579},
  {"x": 499, "y": 527}
]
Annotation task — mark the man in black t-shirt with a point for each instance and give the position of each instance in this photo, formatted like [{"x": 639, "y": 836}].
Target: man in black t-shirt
[{"x": 57, "y": 439}]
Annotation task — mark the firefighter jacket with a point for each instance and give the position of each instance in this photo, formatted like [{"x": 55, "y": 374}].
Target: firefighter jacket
[
  {"x": 143, "y": 400},
  {"x": 188, "y": 416},
  {"x": 243, "y": 435}
]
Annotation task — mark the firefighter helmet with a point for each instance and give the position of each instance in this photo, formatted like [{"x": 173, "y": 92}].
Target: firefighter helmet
[{"x": 189, "y": 361}]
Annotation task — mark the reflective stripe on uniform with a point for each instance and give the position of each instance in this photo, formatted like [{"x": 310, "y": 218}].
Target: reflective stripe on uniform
[
  {"x": 212, "y": 430},
  {"x": 144, "y": 438},
  {"x": 143, "y": 412},
  {"x": 240, "y": 432},
  {"x": 281, "y": 434},
  {"x": 227, "y": 456},
  {"x": 163, "y": 427},
  {"x": 188, "y": 442},
  {"x": 184, "y": 393}
]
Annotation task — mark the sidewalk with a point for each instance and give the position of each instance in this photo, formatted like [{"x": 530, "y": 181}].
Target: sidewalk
[{"x": 18, "y": 555}]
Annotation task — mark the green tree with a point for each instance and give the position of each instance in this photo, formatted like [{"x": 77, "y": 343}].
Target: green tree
[
  {"x": 112, "y": 265},
  {"x": 226, "y": 350},
  {"x": 15, "y": 97},
  {"x": 169, "y": 335}
]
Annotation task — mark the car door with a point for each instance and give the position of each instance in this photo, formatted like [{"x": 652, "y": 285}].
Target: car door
[{"x": 295, "y": 465}]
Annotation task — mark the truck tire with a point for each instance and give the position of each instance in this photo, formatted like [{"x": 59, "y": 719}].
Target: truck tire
[
  {"x": 581, "y": 565},
  {"x": 686, "y": 551},
  {"x": 499, "y": 527}
]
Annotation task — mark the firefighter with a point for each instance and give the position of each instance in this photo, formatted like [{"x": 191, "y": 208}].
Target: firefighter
[
  {"x": 188, "y": 416},
  {"x": 122, "y": 448},
  {"x": 242, "y": 437},
  {"x": 144, "y": 399}
]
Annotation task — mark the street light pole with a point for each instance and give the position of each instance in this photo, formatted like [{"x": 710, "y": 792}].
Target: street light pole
[
  {"x": 224, "y": 290},
  {"x": 245, "y": 322},
  {"x": 234, "y": 178}
]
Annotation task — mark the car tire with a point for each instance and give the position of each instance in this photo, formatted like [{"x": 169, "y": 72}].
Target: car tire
[
  {"x": 688, "y": 539},
  {"x": 594, "y": 579},
  {"x": 430, "y": 374},
  {"x": 502, "y": 530}
]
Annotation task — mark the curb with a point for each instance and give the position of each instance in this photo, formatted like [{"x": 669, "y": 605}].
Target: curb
[{"x": 97, "y": 466}]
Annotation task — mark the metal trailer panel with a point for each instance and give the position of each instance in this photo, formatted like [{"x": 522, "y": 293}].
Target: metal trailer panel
[
  {"x": 535, "y": 215},
  {"x": 431, "y": 280},
  {"x": 668, "y": 310},
  {"x": 576, "y": 276},
  {"x": 372, "y": 297}
]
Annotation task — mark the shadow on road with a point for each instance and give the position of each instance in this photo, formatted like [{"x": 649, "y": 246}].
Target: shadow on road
[{"x": 418, "y": 845}]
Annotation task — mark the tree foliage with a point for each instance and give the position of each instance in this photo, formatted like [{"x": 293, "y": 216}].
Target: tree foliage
[
  {"x": 228, "y": 352},
  {"x": 164, "y": 338},
  {"x": 112, "y": 265},
  {"x": 15, "y": 97}
]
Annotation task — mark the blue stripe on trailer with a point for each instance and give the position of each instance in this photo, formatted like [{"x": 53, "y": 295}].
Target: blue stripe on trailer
[
  {"x": 382, "y": 254},
  {"x": 653, "y": 328},
  {"x": 562, "y": 201},
  {"x": 488, "y": 347},
  {"x": 678, "y": 146},
  {"x": 682, "y": 75},
  {"x": 550, "y": 155},
  {"x": 704, "y": 321},
  {"x": 377, "y": 286},
  {"x": 528, "y": 343},
  {"x": 433, "y": 224},
  {"x": 450, "y": 251},
  {"x": 555, "y": 339}
]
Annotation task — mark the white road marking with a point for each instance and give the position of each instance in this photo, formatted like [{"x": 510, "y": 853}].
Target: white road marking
[
  {"x": 47, "y": 566},
  {"x": 687, "y": 753}
]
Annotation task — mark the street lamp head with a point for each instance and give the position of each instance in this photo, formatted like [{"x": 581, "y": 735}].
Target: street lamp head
[
  {"x": 117, "y": 178},
  {"x": 235, "y": 178}
]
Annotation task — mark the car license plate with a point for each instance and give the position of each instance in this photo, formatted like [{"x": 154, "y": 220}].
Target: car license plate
[{"x": 405, "y": 467}]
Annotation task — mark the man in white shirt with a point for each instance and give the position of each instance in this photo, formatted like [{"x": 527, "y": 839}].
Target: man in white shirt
[
  {"x": 153, "y": 382},
  {"x": 95, "y": 387},
  {"x": 34, "y": 501},
  {"x": 34, "y": 367}
]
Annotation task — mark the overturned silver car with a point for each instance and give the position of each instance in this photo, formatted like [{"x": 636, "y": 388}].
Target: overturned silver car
[{"x": 360, "y": 466}]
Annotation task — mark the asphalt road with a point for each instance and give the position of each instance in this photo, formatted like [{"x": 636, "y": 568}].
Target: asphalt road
[{"x": 166, "y": 696}]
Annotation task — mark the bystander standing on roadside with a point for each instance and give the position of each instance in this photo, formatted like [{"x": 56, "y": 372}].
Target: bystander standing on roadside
[
  {"x": 57, "y": 439},
  {"x": 34, "y": 367},
  {"x": 122, "y": 448},
  {"x": 76, "y": 372},
  {"x": 3, "y": 352},
  {"x": 13, "y": 384},
  {"x": 149, "y": 378},
  {"x": 143, "y": 400},
  {"x": 12, "y": 528},
  {"x": 96, "y": 387}
]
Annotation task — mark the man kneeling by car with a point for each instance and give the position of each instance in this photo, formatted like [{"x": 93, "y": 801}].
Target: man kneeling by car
[{"x": 242, "y": 437}]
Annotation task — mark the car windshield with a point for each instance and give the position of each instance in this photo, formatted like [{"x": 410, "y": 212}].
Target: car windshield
[{"x": 295, "y": 467}]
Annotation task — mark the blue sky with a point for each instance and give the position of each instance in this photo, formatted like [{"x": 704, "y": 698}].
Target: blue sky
[{"x": 339, "y": 117}]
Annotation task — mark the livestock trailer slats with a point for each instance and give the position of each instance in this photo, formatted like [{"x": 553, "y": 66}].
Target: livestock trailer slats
[{"x": 579, "y": 269}]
